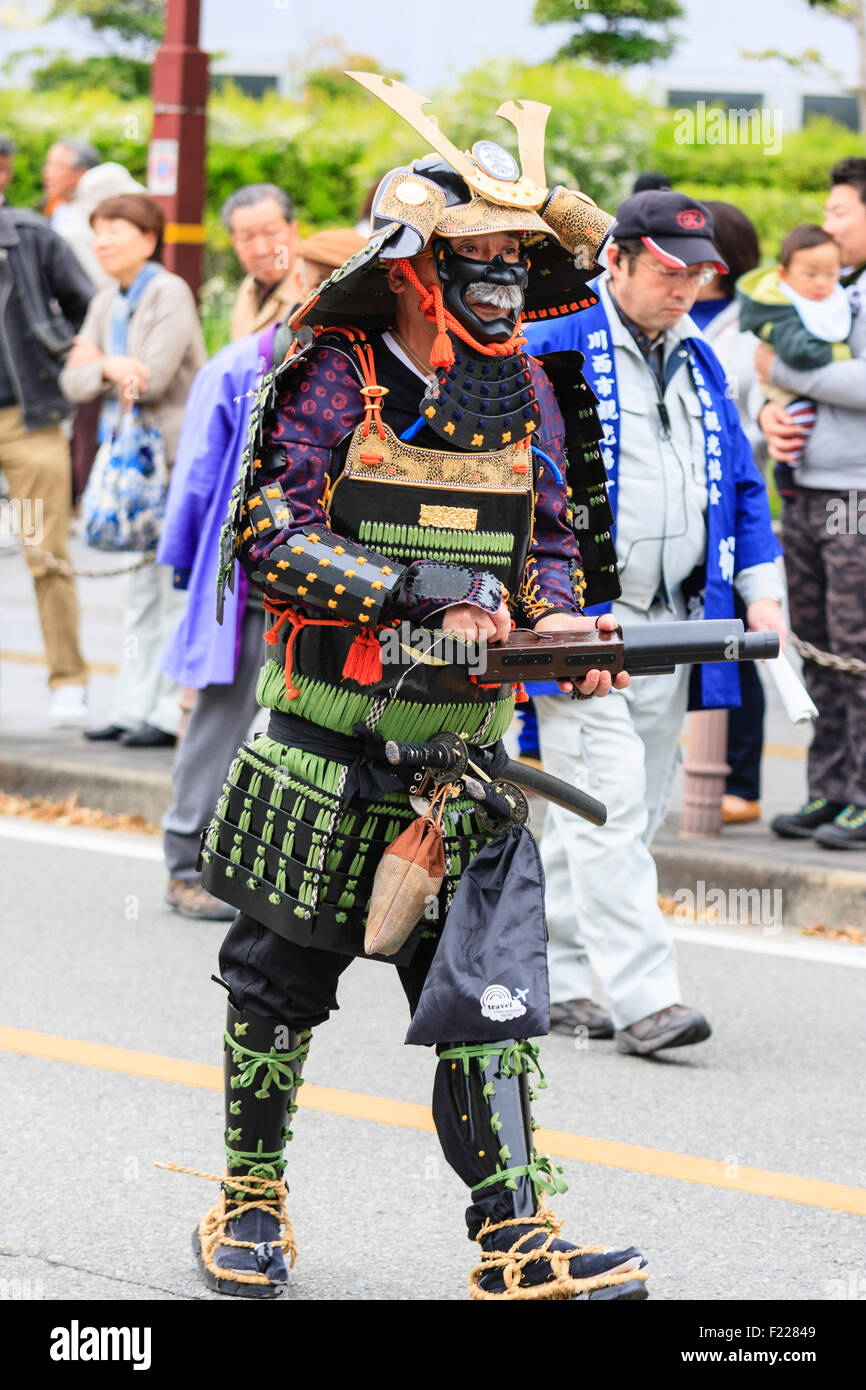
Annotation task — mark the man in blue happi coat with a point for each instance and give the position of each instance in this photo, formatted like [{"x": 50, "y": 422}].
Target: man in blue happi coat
[{"x": 692, "y": 527}]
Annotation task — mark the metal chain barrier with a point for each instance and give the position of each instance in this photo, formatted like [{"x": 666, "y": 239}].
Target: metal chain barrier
[
  {"x": 852, "y": 665},
  {"x": 63, "y": 567}
]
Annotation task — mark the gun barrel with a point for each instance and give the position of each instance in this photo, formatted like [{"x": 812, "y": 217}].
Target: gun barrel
[{"x": 665, "y": 645}]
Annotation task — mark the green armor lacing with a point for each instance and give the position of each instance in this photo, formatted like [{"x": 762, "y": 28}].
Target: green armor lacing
[
  {"x": 410, "y": 543},
  {"x": 259, "y": 1163},
  {"x": 340, "y": 709},
  {"x": 277, "y": 1072},
  {"x": 514, "y": 1058}
]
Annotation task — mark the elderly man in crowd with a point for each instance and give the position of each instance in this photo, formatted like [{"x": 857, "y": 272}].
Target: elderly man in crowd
[
  {"x": 64, "y": 165},
  {"x": 692, "y": 526},
  {"x": 265, "y": 236}
]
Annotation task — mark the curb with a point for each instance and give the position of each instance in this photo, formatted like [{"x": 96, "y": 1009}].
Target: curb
[
  {"x": 118, "y": 791},
  {"x": 808, "y": 894}
]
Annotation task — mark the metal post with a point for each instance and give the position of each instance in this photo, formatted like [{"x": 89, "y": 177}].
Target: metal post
[
  {"x": 175, "y": 166},
  {"x": 706, "y": 771}
]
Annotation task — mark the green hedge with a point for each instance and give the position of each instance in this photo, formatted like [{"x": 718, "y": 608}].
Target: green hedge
[
  {"x": 801, "y": 166},
  {"x": 330, "y": 145},
  {"x": 773, "y": 211}
]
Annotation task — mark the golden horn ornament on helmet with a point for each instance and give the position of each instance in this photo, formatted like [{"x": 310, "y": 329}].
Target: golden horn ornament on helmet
[{"x": 498, "y": 187}]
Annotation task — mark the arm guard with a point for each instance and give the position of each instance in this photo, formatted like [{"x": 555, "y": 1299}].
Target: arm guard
[
  {"x": 348, "y": 581},
  {"x": 264, "y": 514},
  {"x": 342, "y": 578},
  {"x": 442, "y": 585},
  {"x": 339, "y": 577}
]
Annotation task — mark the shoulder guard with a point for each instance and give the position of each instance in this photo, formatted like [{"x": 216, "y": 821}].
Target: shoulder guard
[
  {"x": 267, "y": 393},
  {"x": 589, "y": 504}
]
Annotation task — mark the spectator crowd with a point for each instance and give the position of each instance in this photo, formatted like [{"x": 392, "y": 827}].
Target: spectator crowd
[{"x": 711, "y": 371}]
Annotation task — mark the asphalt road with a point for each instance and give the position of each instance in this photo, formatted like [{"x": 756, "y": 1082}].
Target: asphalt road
[{"x": 91, "y": 954}]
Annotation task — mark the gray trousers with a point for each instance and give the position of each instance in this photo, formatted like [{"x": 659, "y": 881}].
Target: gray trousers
[
  {"x": 220, "y": 720},
  {"x": 602, "y": 884}
]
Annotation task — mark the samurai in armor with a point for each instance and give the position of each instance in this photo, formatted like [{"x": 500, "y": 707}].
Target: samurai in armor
[{"x": 411, "y": 475}]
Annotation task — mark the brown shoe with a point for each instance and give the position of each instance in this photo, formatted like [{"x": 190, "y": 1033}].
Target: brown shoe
[
  {"x": 187, "y": 897},
  {"x": 675, "y": 1026},
  {"x": 580, "y": 1016},
  {"x": 737, "y": 811}
]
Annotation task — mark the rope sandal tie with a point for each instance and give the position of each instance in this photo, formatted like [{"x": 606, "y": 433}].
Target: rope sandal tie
[
  {"x": 212, "y": 1227},
  {"x": 512, "y": 1263}
]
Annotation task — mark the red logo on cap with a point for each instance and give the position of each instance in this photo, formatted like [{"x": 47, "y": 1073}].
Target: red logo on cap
[{"x": 691, "y": 219}]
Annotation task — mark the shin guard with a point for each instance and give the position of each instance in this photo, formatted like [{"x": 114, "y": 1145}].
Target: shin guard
[
  {"x": 481, "y": 1106},
  {"x": 240, "y": 1243}
]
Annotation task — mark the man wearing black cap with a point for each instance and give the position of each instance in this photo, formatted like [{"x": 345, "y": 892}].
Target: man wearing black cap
[{"x": 692, "y": 524}]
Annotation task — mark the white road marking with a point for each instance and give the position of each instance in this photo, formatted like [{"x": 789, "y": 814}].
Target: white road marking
[
  {"x": 115, "y": 842},
  {"x": 125, "y": 846},
  {"x": 806, "y": 948}
]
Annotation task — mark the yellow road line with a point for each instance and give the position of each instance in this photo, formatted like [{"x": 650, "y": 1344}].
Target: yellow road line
[{"x": 636, "y": 1158}]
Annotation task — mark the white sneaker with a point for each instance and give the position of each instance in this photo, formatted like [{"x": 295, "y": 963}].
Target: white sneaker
[{"x": 69, "y": 706}]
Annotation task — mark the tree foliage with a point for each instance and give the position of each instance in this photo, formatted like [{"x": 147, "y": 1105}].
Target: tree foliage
[
  {"x": 598, "y": 132},
  {"x": 130, "y": 31},
  {"x": 622, "y": 33},
  {"x": 137, "y": 24},
  {"x": 124, "y": 77}
]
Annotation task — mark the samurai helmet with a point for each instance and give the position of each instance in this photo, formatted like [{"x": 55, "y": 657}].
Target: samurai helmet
[{"x": 451, "y": 193}]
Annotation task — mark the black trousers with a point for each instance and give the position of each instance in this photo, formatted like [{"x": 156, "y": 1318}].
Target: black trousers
[{"x": 297, "y": 985}]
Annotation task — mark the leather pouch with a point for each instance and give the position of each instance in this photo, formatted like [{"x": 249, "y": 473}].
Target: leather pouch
[{"x": 408, "y": 877}]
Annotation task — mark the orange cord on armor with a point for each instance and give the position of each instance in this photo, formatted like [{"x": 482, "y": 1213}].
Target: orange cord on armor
[
  {"x": 371, "y": 391},
  {"x": 297, "y": 621},
  {"x": 363, "y": 663},
  {"x": 432, "y": 306}
]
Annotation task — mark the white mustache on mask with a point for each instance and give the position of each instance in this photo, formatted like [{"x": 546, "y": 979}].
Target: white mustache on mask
[{"x": 500, "y": 296}]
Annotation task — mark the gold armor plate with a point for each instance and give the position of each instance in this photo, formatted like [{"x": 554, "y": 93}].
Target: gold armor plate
[
  {"x": 454, "y": 518},
  {"x": 392, "y": 460}
]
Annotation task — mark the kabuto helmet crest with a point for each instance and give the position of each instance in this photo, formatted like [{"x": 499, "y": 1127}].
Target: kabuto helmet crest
[{"x": 453, "y": 192}]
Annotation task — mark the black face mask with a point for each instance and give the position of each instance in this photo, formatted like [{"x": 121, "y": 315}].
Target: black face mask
[{"x": 457, "y": 273}]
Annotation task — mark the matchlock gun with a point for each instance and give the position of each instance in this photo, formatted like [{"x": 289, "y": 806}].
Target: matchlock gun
[{"x": 654, "y": 650}]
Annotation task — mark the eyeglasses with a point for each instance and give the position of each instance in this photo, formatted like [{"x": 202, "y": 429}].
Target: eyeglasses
[{"x": 694, "y": 277}]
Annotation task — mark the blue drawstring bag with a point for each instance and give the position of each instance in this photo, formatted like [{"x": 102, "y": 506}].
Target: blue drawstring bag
[
  {"x": 489, "y": 979},
  {"x": 124, "y": 501}
]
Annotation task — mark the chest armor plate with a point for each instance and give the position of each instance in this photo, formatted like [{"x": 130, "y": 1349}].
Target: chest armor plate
[{"x": 467, "y": 509}]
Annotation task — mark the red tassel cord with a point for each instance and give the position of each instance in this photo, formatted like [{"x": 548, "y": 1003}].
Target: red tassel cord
[{"x": 363, "y": 663}]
